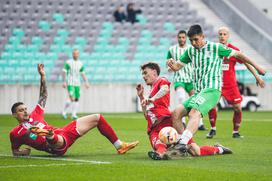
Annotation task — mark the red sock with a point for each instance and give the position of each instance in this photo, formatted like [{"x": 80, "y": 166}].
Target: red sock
[
  {"x": 106, "y": 130},
  {"x": 53, "y": 140},
  {"x": 237, "y": 119},
  {"x": 160, "y": 148},
  {"x": 208, "y": 150},
  {"x": 213, "y": 117}
]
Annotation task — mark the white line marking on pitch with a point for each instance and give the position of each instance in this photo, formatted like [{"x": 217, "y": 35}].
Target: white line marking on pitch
[
  {"x": 58, "y": 159},
  {"x": 40, "y": 165}
]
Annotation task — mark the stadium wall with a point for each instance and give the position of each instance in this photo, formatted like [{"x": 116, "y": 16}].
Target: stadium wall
[
  {"x": 98, "y": 98},
  {"x": 239, "y": 15}
]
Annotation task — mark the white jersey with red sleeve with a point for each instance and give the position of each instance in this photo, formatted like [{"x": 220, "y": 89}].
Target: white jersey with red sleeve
[
  {"x": 228, "y": 67},
  {"x": 20, "y": 135},
  {"x": 159, "y": 109}
]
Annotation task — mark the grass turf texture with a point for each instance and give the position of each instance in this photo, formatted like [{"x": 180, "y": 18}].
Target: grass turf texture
[{"x": 252, "y": 158}]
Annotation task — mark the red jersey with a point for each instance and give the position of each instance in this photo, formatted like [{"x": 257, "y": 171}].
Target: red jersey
[
  {"x": 159, "y": 109},
  {"x": 228, "y": 67},
  {"x": 21, "y": 135}
]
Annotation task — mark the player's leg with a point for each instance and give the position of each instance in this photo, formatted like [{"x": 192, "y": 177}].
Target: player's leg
[
  {"x": 212, "y": 119},
  {"x": 76, "y": 102},
  {"x": 54, "y": 140},
  {"x": 181, "y": 97},
  {"x": 200, "y": 104},
  {"x": 86, "y": 123},
  {"x": 177, "y": 114},
  {"x": 69, "y": 102},
  {"x": 237, "y": 120}
]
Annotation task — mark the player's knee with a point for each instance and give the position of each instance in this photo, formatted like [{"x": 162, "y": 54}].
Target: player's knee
[
  {"x": 237, "y": 108},
  {"x": 194, "y": 114}
]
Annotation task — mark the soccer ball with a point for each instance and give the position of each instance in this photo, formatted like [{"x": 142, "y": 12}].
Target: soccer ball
[{"x": 168, "y": 135}]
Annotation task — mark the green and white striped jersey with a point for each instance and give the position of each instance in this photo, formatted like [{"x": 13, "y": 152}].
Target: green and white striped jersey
[
  {"x": 73, "y": 70},
  {"x": 186, "y": 73},
  {"x": 207, "y": 64}
]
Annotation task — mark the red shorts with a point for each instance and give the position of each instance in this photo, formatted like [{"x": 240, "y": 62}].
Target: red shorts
[
  {"x": 70, "y": 135},
  {"x": 232, "y": 95},
  {"x": 154, "y": 133}
]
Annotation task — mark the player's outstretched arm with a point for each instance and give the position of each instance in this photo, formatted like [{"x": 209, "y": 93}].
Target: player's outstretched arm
[
  {"x": 245, "y": 59},
  {"x": 43, "y": 88},
  {"x": 87, "y": 85},
  {"x": 21, "y": 152},
  {"x": 259, "y": 81}
]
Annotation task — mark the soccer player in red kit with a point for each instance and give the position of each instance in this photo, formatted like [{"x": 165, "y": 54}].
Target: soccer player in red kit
[
  {"x": 34, "y": 131},
  {"x": 230, "y": 90},
  {"x": 158, "y": 115}
]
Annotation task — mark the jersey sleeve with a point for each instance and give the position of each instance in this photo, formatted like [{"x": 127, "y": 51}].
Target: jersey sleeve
[
  {"x": 82, "y": 69},
  {"x": 185, "y": 57},
  {"x": 66, "y": 67},
  {"x": 164, "y": 81},
  {"x": 37, "y": 112},
  {"x": 15, "y": 142},
  {"x": 224, "y": 51},
  {"x": 169, "y": 55}
]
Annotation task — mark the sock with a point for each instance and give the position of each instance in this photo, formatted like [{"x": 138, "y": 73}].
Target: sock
[
  {"x": 75, "y": 107},
  {"x": 208, "y": 150},
  {"x": 52, "y": 140},
  {"x": 200, "y": 122},
  {"x": 106, "y": 130},
  {"x": 117, "y": 144},
  {"x": 213, "y": 117},
  {"x": 160, "y": 148},
  {"x": 66, "y": 106},
  {"x": 185, "y": 137},
  {"x": 237, "y": 119}
]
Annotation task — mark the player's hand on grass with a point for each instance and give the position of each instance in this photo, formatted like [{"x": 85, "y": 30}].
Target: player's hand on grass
[
  {"x": 260, "y": 82},
  {"x": 41, "y": 69},
  {"x": 21, "y": 152}
]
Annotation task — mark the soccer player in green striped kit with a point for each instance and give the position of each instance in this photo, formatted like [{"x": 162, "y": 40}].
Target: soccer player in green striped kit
[
  {"x": 206, "y": 58},
  {"x": 71, "y": 80},
  {"x": 183, "y": 79}
]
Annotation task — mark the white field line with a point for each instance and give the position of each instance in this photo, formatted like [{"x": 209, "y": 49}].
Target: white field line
[
  {"x": 40, "y": 165},
  {"x": 58, "y": 159}
]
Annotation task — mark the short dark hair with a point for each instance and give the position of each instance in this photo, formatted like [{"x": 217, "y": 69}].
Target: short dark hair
[
  {"x": 14, "y": 106},
  {"x": 152, "y": 65},
  {"x": 182, "y": 32},
  {"x": 195, "y": 30}
]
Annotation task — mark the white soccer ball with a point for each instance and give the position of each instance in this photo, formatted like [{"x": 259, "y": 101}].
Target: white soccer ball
[{"x": 168, "y": 135}]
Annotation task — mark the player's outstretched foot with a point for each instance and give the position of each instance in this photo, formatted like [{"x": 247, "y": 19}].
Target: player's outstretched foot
[
  {"x": 40, "y": 131},
  {"x": 156, "y": 156},
  {"x": 225, "y": 149},
  {"x": 211, "y": 134},
  {"x": 237, "y": 135},
  {"x": 202, "y": 128},
  {"x": 127, "y": 146}
]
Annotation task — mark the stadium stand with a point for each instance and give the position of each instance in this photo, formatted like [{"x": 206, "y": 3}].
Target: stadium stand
[{"x": 46, "y": 31}]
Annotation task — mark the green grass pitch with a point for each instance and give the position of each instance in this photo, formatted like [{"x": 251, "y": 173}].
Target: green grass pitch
[{"x": 252, "y": 158}]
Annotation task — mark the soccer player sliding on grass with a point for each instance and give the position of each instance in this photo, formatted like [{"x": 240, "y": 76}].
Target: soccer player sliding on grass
[
  {"x": 158, "y": 115},
  {"x": 35, "y": 132}
]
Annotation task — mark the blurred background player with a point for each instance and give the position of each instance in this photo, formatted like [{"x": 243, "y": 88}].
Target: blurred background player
[
  {"x": 230, "y": 89},
  {"x": 35, "y": 132},
  {"x": 158, "y": 115},
  {"x": 207, "y": 65},
  {"x": 132, "y": 12},
  {"x": 71, "y": 80},
  {"x": 183, "y": 79},
  {"x": 119, "y": 14}
]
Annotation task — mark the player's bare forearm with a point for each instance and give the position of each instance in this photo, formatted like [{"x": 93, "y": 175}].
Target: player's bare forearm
[
  {"x": 259, "y": 81},
  {"x": 175, "y": 65},
  {"x": 21, "y": 152},
  {"x": 162, "y": 92},
  {"x": 43, "y": 87},
  {"x": 245, "y": 59}
]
